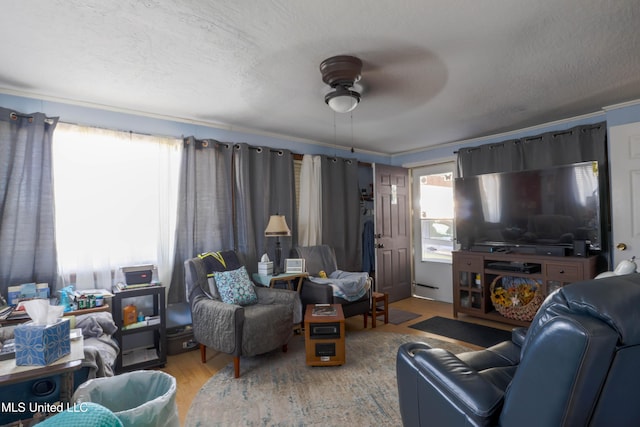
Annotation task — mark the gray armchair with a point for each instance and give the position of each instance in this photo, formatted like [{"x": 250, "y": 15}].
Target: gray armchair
[
  {"x": 234, "y": 329},
  {"x": 323, "y": 258}
]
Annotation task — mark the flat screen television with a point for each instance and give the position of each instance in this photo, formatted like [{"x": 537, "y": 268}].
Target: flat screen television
[{"x": 529, "y": 208}]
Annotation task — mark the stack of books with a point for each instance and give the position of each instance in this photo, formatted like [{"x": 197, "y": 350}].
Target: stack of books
[
  {"x": 8, "y": 349},
  {"x": 323, "y": 310},
  {"x": 5, "y": 311},
  {"x": 10, "y": 313}
]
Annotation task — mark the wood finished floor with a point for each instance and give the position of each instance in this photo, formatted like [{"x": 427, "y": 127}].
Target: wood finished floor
[{"x": 191, "y": 374}]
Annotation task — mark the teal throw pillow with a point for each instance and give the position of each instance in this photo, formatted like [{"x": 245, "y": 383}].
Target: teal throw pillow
[{"x": 235, "y": 287}]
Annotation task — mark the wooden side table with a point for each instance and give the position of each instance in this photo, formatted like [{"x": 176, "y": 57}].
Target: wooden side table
[
  {"x": 324, "y": 338},
  {"x": 378, "y": 310},
  {"x": 289, "y": 278}
]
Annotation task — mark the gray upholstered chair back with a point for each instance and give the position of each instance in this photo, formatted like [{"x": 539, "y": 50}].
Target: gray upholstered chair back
[
  {"x": 197, "y": 270},
  {"x": 317, "y": 258}
]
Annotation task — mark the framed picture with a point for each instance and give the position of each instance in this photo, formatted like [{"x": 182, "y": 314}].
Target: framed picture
[{"x": 294, "y": 265}]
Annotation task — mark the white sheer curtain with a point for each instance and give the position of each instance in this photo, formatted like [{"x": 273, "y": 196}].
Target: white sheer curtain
[
  {"x": 310, "y": 211},
  {"x": 115, "y": 200}
]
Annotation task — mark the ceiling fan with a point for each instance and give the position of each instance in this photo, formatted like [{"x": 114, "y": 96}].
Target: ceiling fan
[{"x": 341, "y": 73}]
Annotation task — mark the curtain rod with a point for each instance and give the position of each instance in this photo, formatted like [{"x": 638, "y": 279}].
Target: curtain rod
[
  {"x": 582, "y": 128},
  {"x": 259, "y": 149},
  {"x": 205, "y": 142},
  {"x": 15, "y": 116},
  {"x": 129, "y": 131},
  {"x": 297, "y": 156}
]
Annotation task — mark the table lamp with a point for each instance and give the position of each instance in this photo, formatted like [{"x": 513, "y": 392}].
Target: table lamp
[{"x": 277, "y": 227}]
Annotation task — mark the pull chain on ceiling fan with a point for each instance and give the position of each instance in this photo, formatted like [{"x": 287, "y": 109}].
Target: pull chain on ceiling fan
[{"x": 341, "y": 73}]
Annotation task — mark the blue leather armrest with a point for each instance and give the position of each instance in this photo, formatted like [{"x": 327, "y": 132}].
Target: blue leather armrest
[{"x": 436, "y": 388}]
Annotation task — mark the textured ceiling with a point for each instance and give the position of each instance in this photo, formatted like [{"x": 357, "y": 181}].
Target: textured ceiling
[{"x": 434, "y": 71}]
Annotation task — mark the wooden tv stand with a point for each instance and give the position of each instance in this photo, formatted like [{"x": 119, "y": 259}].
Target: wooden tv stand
[{"x": 473, "y": 275}]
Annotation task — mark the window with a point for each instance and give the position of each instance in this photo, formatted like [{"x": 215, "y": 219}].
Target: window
[
  {"x": 115, "y": 201},
  {"x": 436, "y": 216}
]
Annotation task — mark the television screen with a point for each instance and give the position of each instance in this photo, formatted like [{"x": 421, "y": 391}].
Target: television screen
[{"x": 551, "y": 206}]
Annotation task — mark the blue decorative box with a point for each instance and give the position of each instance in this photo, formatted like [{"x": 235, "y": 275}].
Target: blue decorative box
[
  {"x": 42, "y": 344},
  {"x": 27, "y": 291}
]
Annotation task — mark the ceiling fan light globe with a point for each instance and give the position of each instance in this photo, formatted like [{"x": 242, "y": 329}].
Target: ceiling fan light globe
[{"x": 342, "y": 101}]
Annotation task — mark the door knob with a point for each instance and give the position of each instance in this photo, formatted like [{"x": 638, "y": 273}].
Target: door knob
[
  {"x": 379, "y": 235},
  {"x": 621, "y": 246},
  {"x": 379, "y": 246}
]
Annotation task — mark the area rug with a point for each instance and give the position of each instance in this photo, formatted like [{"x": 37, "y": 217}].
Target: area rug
[
  {"x": 279, "y": 389},
  {"x": 472, "y": 333},
  {"x": 397, "y": 316}
]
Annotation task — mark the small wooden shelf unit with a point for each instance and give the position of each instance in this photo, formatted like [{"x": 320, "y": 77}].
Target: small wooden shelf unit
[
  {"x": 324, "y": 338},
  {"x": 472, "y": 278}
]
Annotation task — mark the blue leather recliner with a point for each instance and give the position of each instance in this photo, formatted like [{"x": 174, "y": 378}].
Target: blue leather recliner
[{"x": 578, "y": 364}]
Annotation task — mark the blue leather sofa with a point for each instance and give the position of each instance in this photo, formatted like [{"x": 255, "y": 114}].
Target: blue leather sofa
[{"x": 576, "y": 365}]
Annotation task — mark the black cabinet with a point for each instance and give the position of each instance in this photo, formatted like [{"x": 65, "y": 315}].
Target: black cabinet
[{"x": 144, "y": 344}]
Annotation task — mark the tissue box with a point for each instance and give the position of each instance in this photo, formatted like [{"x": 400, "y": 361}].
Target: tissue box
[
  {"x": 265, "y": 268},
  {"x": 42, "y": 344}
]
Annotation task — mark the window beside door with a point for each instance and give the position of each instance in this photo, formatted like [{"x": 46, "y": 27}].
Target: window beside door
[{"x": 436, "y": 216}]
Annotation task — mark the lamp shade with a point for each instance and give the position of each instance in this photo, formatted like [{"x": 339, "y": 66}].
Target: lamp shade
[
  {"x": 342, "y": 100},
  {"x": 277, "y": 227}
]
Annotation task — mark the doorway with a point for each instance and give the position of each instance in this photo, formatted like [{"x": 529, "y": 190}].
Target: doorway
[
  {"x": 392, "y": 231},
  {"x": 624, "y": 152},
  {"x": 433, "y": 231}
]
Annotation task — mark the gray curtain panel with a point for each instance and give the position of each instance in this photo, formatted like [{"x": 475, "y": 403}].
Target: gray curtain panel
[
  {"x": 341, "y": 211},
  {"x": 578, "y": 144},
  {"x": 264, "y": 185},
  {"x": 503, "y": 156},
  {"x": 27, "y": 222},
  {"x": 204, "y": 221}
]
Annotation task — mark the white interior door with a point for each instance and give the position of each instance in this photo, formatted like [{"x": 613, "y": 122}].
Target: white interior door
[
  {"x": 624, "y": 155},
  {"x": 432, "y": 217}
]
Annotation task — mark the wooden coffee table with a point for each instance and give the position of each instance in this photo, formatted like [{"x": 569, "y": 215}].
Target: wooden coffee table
[{"x": 324, "y": 338}]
